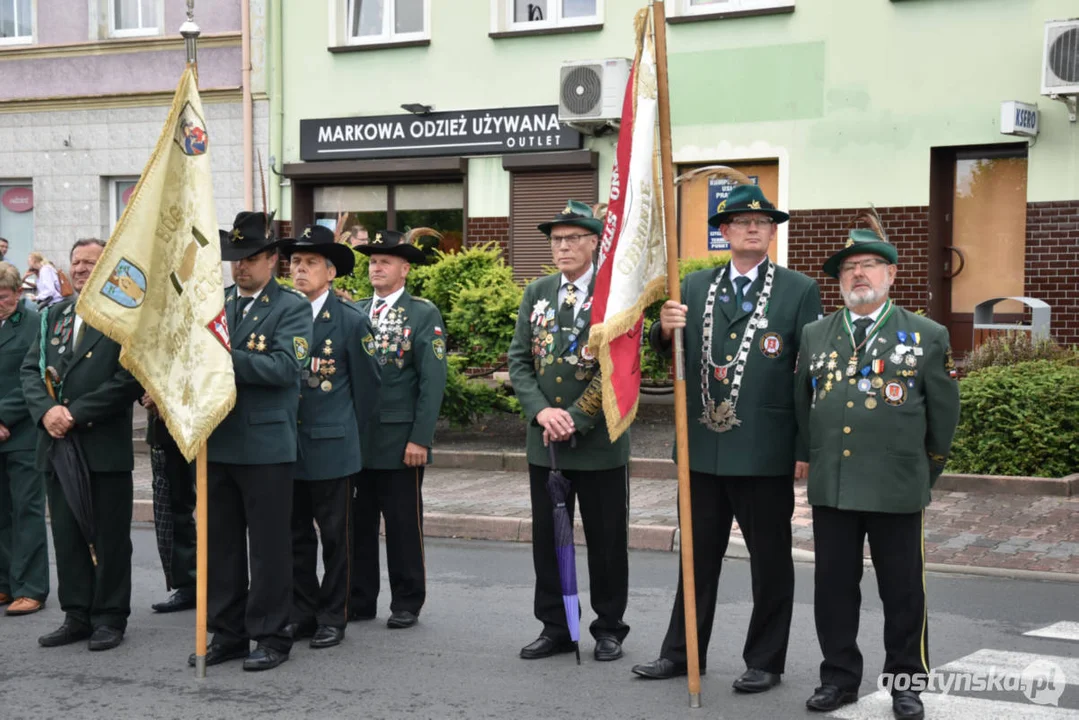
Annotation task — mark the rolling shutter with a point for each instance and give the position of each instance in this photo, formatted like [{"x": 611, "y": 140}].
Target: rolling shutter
[{"x": 536, "y": 197}]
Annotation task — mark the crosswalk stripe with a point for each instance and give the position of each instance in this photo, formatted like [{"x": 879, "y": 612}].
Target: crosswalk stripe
[
  {"x": 1057, "y": 631},
  {"x": 1011, "y": 664},
  {"x": 878, "y": 706}
]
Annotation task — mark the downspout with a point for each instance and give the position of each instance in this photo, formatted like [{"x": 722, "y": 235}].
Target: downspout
[
  {"x": 277, "y": 105},
  {"x": 248, "y": 123}
]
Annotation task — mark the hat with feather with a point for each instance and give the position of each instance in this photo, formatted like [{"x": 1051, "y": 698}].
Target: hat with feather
[{"x": 870, "y": 239}]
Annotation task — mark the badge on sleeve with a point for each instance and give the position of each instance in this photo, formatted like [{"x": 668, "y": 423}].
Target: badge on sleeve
[
  {"x": 439, "y": 346},
  {"x": 369, "y": 344},
  {"x": 299, "y": 346}
]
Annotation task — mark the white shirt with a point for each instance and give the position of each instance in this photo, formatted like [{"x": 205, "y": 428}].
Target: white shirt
[
  {"x": 581, "y": 284},
  {"x": 389, "y": 301},
  {"x": 752, "y": 274},
  {"x": 872, "y": 316},
  {"x": 75, "y": 335},
  {"x": 253, "y": 298},
  {"x": 317, "y": 304}
]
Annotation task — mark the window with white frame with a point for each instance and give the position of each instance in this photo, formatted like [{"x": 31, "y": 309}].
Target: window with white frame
[
  {"x": 386, "y": 21},
  {"x": 129, "y": 18},
  {"x": 16, "y": 22},
  {"x": 541, "y": 14},
  {"x": 120, "y": 190},
  {"x": 712, "y": 7}
]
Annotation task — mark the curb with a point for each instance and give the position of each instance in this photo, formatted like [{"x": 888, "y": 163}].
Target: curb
[{"x": 641, "y": 537}]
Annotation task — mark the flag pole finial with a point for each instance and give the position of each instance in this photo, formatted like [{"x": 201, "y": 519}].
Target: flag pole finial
[{"x": 191, "y": 32}]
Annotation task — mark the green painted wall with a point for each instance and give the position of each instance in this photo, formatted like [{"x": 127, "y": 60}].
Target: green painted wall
[{"x": 852, "y": 93}]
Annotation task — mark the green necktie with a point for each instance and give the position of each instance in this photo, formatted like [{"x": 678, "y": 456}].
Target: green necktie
[
  {"x": 565, "y": 310},
  {"x": 861, "y": 327},
  {"x": 740, "y": 284}
]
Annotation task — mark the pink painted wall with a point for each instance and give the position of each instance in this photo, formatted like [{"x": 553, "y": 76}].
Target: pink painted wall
[
  {"x": 68, "y": 21},
  {"x": 62, "y": 21}
]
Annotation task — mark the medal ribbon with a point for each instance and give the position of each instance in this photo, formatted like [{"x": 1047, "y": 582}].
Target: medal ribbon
[{"x": 871, "y": 333}]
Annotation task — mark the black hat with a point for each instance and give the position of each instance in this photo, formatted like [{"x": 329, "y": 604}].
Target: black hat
[
  {"x": 320, "y": 240},
  {"x": 746, "y": 199},
  {"x": 252, "y": 233},
  {"x": 391, "y": 242}
]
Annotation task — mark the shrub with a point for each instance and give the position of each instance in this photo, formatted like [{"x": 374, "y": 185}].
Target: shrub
[
  {"x": 466, "y": 400},
  {"x": 1014, "y": 347},
  {"x": 1020, "y": 419}
]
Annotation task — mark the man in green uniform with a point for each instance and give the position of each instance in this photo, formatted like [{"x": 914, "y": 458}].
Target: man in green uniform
[
  {"x": 410, "y": 347},
  {"x": 24, "y": 547},
  {"x": 93, "y": 398},
  {"x": 339, "y": 389},
  {"x": 252, "y": 454},
  {"x": 878, "y": 405},
  {"x": 742, "y": 325},
  {"x": 557, "y": 380}
]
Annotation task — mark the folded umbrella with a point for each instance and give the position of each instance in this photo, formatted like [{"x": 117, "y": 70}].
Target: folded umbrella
[
  {"x": 163, "y": 518},
  {"x": 558, "y": 487},
  {"x": 69, "y": 464}
]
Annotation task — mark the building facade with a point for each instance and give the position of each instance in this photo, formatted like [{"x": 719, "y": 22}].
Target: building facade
[
  {"x": 85, "y": 88},
  {"x": 422, "y": 112}
]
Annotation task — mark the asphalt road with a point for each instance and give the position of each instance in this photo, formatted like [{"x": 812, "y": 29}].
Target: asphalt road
[{"x": 461, "y": 660}]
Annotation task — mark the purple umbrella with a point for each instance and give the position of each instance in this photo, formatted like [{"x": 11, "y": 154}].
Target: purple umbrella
[{"x": 558, "y": 488}]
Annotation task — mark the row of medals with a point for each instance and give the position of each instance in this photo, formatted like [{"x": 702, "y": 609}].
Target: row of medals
[
  {"x": 391, "y": 339},
  {"x": 542, "y": 339},
  {"x": 321, "y": 369},
  {"x": 902, "y": 355}
]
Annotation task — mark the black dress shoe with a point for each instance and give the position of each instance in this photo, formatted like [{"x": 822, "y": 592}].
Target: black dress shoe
[
  {"x": 105, "y": 638},
  {"x": 756, "y": 681},
  {"x": 607, "y": 648},
  {"x": 299, "y": 631},
  {"x": 544, "y": 646},
  {"x": 828, "y": 698},
  {"x": 401, "y": 619},
  {"x": 217, "y": 653},
  {"x": 906, "y": 705},
  {"x": 660, "y": 669},
  {"x": 327, "y": 636},
  {"x": 69, "y": 632},
  {"x": 182, "y": 599},
  {"x": 264, "y": 658}
]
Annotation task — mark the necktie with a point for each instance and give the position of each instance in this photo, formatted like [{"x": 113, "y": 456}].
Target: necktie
[
  {"x": 376, "y": 311},
  {"x": 861, "y": 327},
  {"x": 242, "y": 304},
  {"x": 740, "y": 284},
  {"x": 565, "y": 310}
]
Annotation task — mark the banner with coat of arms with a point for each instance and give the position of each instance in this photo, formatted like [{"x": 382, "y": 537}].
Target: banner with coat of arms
[
  {"x": 157, "y": 289},
  {"x": 632, "y": 269}
]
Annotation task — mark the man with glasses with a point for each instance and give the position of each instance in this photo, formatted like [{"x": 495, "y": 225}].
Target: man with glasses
[
  {"x": 742, "y": 324},
  {"x": 557, "y": 380},
  {"x": 877, "y": 405}
]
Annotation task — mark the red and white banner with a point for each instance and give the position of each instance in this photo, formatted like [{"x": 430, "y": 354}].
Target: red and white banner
[{"x": 632, "y": 267}]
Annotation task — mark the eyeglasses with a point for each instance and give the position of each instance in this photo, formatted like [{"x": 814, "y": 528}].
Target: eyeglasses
[
  {"x": 759, "y": 222},
  {"x": 863, "y": 265},
  {"x": 569, "y": 240}
]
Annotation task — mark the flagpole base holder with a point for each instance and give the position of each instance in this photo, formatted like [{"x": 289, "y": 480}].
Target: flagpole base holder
[
  {"x": 694, "y": 700},
  {"x": 200, "y": 666}
]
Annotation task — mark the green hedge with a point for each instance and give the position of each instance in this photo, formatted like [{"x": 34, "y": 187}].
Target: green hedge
[{"x": 1020, "y": 419}]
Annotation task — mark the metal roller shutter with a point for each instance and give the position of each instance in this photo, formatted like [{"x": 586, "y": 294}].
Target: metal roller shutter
[{"x": 536, "y": 197}]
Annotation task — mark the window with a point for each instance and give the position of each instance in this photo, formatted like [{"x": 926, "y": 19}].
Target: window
[
  {"x": 120, "y": 190},
  {"x": 356, "y": 212},
  {"x": 130, "y": 18},
  {"x": 386, "y": 21},
  {"x": 16, "y": 22},
  {"x": 522, "y": 15},
  {"x": 689, "y": 8},
  {"x": 17, "y": 221}
]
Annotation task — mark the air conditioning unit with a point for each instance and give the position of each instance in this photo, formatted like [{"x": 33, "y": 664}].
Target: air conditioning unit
[
  {"x": 1060, "y": 67},
  {"x": 591, "y": 91}
]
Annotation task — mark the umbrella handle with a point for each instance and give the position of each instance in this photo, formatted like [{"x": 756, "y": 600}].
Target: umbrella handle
[{"x": 551, "y": 450}]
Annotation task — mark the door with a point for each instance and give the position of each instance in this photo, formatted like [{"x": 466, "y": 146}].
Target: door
[{"x": 698, "y": 197}]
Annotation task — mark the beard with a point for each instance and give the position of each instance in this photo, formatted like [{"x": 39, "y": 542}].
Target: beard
[{"x": 863, "y": 296}]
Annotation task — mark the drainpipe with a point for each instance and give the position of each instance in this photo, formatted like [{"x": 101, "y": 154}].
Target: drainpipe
[
  {"x": 277, "y": 104},
  {"x": 248, "y": 125}
]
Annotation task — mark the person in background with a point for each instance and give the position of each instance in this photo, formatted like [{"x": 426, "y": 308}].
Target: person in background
[{"x": 48, "y": 290}]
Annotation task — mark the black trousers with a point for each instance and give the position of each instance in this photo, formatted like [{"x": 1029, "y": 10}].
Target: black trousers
[
  {"x": 328, "y": 503},
  {"x": 897, "y": 546},
  {"x": 92, "y": 595},
  {"x": 24, "y": 537},
  {"x": 250, "y": 501},
  {"x": 396, "y": 495},
  {"x": 181, "y": 475},
  {"x": 763, "y": 507},
  {"x": 603, "y": 496}
]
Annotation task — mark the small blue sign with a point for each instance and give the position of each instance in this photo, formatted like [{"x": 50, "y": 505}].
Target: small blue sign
[
  {"x": 718, "y": 190},
  {"x": 126, "y": 284}
]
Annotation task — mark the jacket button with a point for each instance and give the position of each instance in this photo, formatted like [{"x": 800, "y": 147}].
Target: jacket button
[
  {"x": 730, "y": 357},
  {"x": 734, "y": 336},
  {"x": 558, "y": 400},
  {"x": 850, "y": 403},
  {"x": 559, "y": 361},
  {"x": 846, "y": 430},
  {"x": 299, "y": 422},
  {"x": 726, "y": 381},
  {"x": 558, "y": 379},
  {"x": 89, "y": 424},
  {"x": 851, "y": 381},
  {"x": 846, "y": 453},
  {"x": 67, "y": 401}
]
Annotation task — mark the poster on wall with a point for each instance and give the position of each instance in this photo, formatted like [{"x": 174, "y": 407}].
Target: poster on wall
[{"x": 718, "y": 190}]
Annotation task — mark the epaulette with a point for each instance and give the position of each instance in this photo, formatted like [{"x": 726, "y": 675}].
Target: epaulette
[
  {"x": 294, "y": 291},
  {"x": 364, "y": 299},
  {"x": 422, "y": 300}
]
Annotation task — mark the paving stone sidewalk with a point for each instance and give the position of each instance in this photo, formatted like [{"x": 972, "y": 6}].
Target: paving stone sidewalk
[{"x": 986, "y": 530}]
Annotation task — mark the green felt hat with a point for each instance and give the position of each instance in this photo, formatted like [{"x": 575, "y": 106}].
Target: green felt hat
[
  {"x": 860, "y": 242},
  {"x": 746, "y": 199},
  {"x": 576, "y": 213}
]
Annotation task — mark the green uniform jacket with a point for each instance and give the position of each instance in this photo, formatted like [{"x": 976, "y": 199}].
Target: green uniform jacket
[
  {"x": 883, "y": 456},
  {"x": 764, "y": 444},
  {"x": 97, "y": 391},
  {"x": 15, "y": 337},
  {"x": 546, "y": 371},
  {"x": 269, "y": 347},
  {"x": 410, "y": 347},
  {"x": 345, "y": 376}
]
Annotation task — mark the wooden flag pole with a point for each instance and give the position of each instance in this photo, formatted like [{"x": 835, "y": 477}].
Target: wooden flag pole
[
  {"x": 201, "y": 563},
  {"x": 681, "y": 421}
]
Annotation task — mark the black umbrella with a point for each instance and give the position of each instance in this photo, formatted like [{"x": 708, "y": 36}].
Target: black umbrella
[
  {"x": 69, "y": 464},
  {"x": 163, "y": 518},
  {"x": 558, "y": 488}
]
